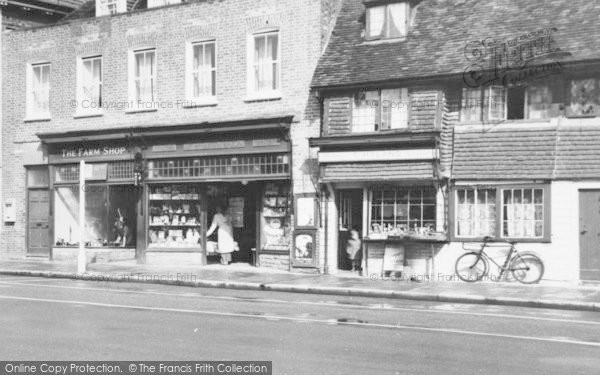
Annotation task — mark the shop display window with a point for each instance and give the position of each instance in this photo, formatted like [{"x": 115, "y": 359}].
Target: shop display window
[
  {"x": 403, "y": 211},
  {"x": 175, "y": 217},
  {"x": 245, "y": 165},
  {"x": 110, "y": 215},
  {"x": 275, "y": 216}
]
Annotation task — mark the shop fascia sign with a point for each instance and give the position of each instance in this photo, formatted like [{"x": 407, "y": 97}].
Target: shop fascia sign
[{"x": 86, "y": 152}]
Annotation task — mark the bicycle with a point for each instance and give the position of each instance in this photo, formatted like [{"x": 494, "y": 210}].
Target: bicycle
[{"x": 526, "y": 267}]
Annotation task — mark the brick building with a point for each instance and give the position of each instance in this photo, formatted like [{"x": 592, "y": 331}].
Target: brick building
[
  {"x": 175, "y": 108},
  {"x": 446, "y": 122}
]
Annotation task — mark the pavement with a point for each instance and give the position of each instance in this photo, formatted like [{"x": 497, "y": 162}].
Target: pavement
[{"x": 565, "y": 296}]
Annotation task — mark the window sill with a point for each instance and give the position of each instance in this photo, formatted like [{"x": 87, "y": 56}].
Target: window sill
[
  {"x": 495, "y": 122},
  {"x": 382, "y": 40},
  {"x": 88, "y": 114},
  {"x": 200, "y": 102},
  {"x": 496, "y": 240},
  {"x": 140, "y": 110},
  {"x": 259, "y": 97},
  {"x": 37, "y": 118}
]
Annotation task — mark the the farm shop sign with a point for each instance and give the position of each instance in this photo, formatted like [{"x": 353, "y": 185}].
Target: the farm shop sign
[
  {"x": 82, "y": 153},
  {"x": 89, "y": 152}
]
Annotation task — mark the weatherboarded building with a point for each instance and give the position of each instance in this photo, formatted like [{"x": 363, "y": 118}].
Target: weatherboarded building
[{"x": 446, "y": 122}]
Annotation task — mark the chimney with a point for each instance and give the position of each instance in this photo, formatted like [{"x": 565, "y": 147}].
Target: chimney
[{"x": 109, "y": 7}]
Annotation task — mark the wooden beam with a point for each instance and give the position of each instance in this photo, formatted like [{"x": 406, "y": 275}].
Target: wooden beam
[{"x": 36, "y": 7}]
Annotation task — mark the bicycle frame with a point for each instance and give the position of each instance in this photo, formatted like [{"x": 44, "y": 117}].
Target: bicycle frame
[
  {"x": 518, "y": 263},
  {"x": 509, "y": 257}
]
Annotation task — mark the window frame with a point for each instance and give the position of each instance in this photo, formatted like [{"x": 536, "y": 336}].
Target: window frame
[
  {"x": 485, "y": 109},
  {"x": 379, "y": 115},
  {"x": 253, "y": 94},
  {"x": 110, "y": 7},
  {"x": 568, "y": 96},
  {"x": 80, "y": 110},
  {"x": 499, "y": 188},
  {"x": 422, "y": 188},
  {"x": 386, "y": 15},
  {"x": 138, "y": 104},
  {"x": 32, "y": 113},
  {"x": 189, "y": 72}
]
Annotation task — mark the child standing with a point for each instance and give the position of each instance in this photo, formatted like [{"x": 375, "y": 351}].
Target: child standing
[{"x": 353, "y": 249}]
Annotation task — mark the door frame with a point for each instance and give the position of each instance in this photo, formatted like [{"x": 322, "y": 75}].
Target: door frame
[
  {"x": 358, "y": 204},
  {"x": 27, "y": 222}
]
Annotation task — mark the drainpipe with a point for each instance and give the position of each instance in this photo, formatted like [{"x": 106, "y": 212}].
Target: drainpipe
[{"x": 325, "y": 194}]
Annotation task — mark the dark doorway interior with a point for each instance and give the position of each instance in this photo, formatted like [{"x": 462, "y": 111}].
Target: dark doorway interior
[
  {"x": 350, "y": 209},
  {"x": 240, "y": 199}
]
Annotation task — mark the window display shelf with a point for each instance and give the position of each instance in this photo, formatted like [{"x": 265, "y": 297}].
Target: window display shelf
[{"x": 175, "y": 217}]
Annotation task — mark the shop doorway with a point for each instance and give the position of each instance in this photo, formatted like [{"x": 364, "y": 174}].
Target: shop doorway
[
  {"x": 589, "y": 234},
  {"x": 38, "y": 212},
  {"x": 241, "y": 201},
  {"x": 350, "y": 210}
]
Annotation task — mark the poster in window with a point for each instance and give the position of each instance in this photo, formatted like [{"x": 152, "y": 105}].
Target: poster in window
[
  {"x": 306, "y": 211},
  {"x": 236, "y": 210},
  {"x": 304, "y": 248}
]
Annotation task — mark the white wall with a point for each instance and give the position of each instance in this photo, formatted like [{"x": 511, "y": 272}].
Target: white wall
[{"x": 561, "y": 255}]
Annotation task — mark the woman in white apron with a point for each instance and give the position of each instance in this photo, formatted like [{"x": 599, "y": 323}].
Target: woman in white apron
[{"x": 225, "y": 233}]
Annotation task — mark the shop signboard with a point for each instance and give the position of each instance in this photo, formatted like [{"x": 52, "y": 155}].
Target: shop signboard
[
  {"x": 89, "y": 152},
  {"x": 393, "y": 257},
  {"x": 96, "y": 172},
  {"x": 306, "y": 211},
  {"x": 304, "y": 249}
]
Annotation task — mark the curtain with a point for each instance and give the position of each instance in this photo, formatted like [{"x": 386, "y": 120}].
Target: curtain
[
  {"x": 376, "y": 17},
  {"x": 364, "y": 111},
  {"x": 471, "y": 104},
  {"x": 397, "y": 19},
  {"x": 394, "y": 108}
]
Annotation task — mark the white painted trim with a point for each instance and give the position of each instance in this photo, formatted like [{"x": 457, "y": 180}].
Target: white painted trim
[{"x": 378, "y": 155}]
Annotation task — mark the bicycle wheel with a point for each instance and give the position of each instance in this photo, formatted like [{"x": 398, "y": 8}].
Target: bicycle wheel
[
  {"x": 471, "y": 267},
  {"x": 527, "y": 268}
]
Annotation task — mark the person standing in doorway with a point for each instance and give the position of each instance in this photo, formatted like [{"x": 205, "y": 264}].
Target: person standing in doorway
[
  {"x": 353, "y": 249},
  {"x": 222, "y": 221}
]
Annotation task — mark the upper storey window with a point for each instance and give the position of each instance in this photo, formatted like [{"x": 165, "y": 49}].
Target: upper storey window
[
  {"x": 379, "y": 110},
  {"x": 264, "y": 68},
  {"x": 160, "y": 3},
  {"x": 387, "y": 20},
  {"x": 107, "y": 7},
  {"x": 38, "y": 91}
]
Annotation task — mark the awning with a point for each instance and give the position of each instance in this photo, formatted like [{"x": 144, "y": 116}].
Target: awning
[{"x": 387, "y": 171}]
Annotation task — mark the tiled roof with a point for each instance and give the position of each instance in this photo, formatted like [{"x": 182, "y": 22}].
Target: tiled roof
[
  {"x": 389, "y": 171},
  {"x": 503, "y": 152},
  {"x": 563, "y": 149},
  {"x": 578, "y": 150},
  {"x": 440, "y": 31}
]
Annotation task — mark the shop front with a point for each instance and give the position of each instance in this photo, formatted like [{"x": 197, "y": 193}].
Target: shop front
[
  {"x": 151, "y": 195},
  {"x": 391, "y": 197}
]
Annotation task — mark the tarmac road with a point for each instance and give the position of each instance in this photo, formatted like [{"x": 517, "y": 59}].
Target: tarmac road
[{"x": 58, "y": 319}]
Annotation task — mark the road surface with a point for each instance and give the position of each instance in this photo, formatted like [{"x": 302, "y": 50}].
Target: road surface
[{"x": 58, "y": 319}]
